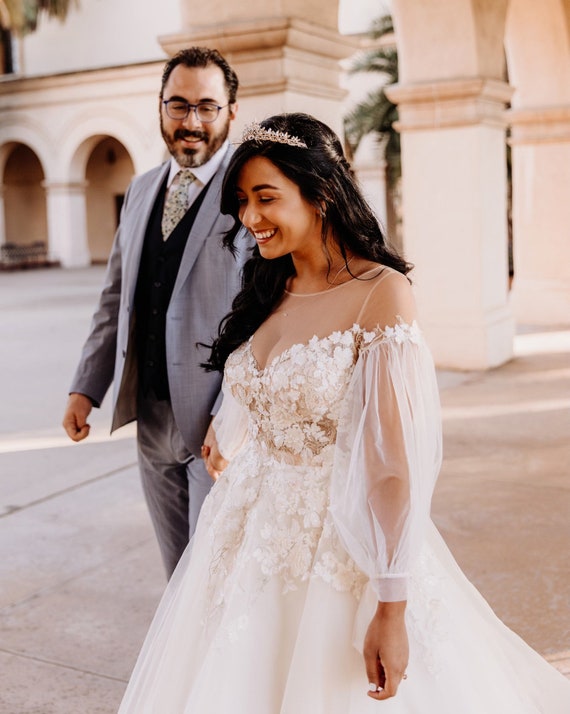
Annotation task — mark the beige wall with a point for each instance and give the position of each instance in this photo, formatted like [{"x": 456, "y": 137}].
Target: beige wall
[
  {"x": 452, "y": 100},
  {"x": 99, "y": 33}
]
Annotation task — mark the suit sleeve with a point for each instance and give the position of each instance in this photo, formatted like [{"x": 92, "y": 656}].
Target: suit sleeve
[{"x": 95, "y": 371}]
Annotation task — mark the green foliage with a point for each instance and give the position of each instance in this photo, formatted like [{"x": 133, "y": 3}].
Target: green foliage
[
  {"x": 22, "y": 16},
  {"x": 377, "y": 114}
]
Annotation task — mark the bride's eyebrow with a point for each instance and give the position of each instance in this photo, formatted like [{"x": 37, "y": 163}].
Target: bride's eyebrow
[
  {"x": 258, "y": 187},
  {"x": 262, "y": 186}
]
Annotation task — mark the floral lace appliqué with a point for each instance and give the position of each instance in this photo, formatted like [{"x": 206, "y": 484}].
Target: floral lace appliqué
[{"x": 269, "y": 510}]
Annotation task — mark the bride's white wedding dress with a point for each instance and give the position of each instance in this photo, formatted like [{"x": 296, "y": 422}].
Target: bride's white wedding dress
[{"x": 333, "y": 429}]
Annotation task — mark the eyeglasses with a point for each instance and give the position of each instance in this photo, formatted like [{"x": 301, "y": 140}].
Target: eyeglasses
[{"x": 179, "y": 109}]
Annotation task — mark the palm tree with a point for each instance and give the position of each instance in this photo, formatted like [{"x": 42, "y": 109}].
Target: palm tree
[
  {"x": 376, "y": 114},
  {"x": 18, "y": 17}
]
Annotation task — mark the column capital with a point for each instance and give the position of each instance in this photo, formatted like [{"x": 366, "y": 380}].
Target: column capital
[
  {"x": 539, "y": 125},
  {"x": 458, "y": 102},
  {"x": 60, "y": 186},
  {"x": 275, "y": 54}
]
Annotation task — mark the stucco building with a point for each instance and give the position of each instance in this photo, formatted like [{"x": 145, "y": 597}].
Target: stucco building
[{"x": 80, "y": 117}]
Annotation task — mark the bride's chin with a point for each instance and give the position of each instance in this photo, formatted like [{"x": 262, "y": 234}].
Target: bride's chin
[{"x": 267, "y": 253}]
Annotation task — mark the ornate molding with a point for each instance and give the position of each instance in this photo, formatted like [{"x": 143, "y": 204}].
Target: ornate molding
[
  {"x": 450, "y": 103},
  {"x": 539, "y": 125},
  {"x": 275, "y": 54}
]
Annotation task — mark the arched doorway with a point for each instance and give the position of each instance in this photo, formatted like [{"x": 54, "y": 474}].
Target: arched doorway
[
  {"x": 108, "y": 172},
  {"x": 25, "y": 214}
]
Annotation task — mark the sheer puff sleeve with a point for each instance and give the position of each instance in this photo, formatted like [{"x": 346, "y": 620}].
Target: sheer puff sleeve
[
  {"x": 388, "y": 450},
  {"x": 230, "y": 425}
]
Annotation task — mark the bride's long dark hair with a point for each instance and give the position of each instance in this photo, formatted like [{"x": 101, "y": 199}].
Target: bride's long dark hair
[{"x": 326, "y": 181}]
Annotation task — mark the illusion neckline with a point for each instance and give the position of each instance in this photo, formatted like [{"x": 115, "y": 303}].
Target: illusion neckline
[{"x": 332, "y": 288}]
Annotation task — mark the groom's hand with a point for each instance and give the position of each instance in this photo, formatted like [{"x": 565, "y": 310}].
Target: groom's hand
[{"x": 75, "y": 418}]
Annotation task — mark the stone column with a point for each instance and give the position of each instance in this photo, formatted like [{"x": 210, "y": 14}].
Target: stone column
[
  {"x": 286, "y": 60},
  {"x": 2, "y": 217},
  {"x": 67, "y": 223},
  {"x": 370, "y": 167},
  {"x": 540, "y": 141},
  {"x": 455, "y": 216}
]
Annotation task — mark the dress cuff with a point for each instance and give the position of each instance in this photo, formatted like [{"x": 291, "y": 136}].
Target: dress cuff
[{"x": 390, "y": 588}]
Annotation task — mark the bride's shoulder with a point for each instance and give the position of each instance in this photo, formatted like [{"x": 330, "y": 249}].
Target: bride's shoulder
[
  {"x": 382, "y": 277},
  {"x": 388, "y": 298}
]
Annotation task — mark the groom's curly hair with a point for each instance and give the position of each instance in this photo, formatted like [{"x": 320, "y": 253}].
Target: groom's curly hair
[{"x": 202, "y": 57}]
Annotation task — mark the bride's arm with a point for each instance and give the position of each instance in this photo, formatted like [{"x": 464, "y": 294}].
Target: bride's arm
[
  {"x": 387, "y": 459},
  {"x": 226, "y": 435}
]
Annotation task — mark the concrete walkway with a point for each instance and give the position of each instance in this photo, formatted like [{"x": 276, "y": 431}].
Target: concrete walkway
[{"x": 80, "y": 573}]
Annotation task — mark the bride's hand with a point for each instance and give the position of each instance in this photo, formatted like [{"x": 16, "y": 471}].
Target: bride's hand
[
  {"x": 213, "y": 460},
  {"x": 386, "y": 650}
]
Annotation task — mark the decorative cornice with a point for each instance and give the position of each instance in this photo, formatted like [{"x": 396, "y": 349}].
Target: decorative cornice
[
  {"x": 448, "y": 103},
  {"x": 65, "y": 187},
  {"x": 275, "y": 55},
  {"x": 264, "y": 34},
  {"x": 539, "y": 125},
  {"x": 138, "y": 77}
]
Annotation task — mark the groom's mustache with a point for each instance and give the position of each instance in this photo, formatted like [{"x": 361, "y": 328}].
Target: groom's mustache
[{"x": 186, "y": 134}]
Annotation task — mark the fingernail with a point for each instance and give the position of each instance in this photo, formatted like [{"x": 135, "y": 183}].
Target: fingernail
[{"x": 372, "y": 687}]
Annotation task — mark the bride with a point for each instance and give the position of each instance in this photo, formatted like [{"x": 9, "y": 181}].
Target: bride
[{"x": 316, "y": 582}]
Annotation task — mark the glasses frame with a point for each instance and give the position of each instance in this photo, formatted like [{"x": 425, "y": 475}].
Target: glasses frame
[{"x": 194, "y": 108}]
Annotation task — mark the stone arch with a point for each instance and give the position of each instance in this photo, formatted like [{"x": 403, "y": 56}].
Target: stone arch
[
  {"x": 98, "y": 157},
  {"x": 25, "y": 232},
  {"x": 453, "y": 38},
  {"x": 108, "y": 171},
  {"x": 22, "y": 129},
  {"x": 538, "y": 47},
  {"x": 142, "y": 141}
]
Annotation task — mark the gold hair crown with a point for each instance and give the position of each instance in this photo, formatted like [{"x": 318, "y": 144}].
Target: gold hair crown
[{"x": 255, "y": 132}]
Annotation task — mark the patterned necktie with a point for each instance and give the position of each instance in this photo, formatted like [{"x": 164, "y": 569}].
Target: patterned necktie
[{"x": 176, "y": 203}]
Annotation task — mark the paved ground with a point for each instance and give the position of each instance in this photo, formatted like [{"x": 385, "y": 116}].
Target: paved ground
[{"x": 79, "y": 569}]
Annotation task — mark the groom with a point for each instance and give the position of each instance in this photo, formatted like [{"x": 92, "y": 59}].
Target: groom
[{"x": 169, "y": 282}]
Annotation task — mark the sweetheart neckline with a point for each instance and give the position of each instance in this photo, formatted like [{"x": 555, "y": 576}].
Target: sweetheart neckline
[{"x": 385, "y": 332}]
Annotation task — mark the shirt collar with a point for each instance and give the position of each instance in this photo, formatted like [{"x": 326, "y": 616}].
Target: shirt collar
[{"x": 203, "y": 173}]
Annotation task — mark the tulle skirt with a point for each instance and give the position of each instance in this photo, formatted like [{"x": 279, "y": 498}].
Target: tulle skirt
[{"x": 230, "y": 643}]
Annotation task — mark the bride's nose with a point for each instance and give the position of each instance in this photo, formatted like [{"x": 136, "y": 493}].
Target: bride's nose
[{"x": 249, "y": 216}]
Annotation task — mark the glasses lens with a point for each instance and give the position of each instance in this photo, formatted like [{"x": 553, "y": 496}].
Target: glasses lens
[
  {"x": 177, "y": 110},
  {"x": 207, "y": 112}
]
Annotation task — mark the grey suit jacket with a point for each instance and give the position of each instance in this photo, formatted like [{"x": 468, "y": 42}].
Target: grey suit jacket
[{"x": 208, "y": 279}]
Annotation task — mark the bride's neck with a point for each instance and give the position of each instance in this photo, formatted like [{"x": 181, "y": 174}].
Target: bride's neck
[{"x": 320, "y": 272}]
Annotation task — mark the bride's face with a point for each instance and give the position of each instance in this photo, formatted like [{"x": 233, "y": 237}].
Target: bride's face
[{"x": 272, "y": 208}]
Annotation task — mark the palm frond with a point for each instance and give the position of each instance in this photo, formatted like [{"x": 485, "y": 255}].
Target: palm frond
[
  {"x": 376, "y": 114},
  {"x": 382, "y": 26},
  {"x": 24, "y": 15},
  {"x": 384, "y": 60}
]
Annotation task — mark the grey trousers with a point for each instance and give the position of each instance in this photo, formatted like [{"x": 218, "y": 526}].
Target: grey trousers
[{"x": 175, "y": 482}]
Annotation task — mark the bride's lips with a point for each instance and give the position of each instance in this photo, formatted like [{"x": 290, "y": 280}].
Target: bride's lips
[{"x": 262, "y": 237}]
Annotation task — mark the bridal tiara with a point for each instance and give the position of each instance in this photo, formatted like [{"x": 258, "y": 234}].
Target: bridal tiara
[{"x": 255, "y": 132}]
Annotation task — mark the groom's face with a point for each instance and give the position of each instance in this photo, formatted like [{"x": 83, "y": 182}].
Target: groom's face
[{"x": 193, "y": 142}]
